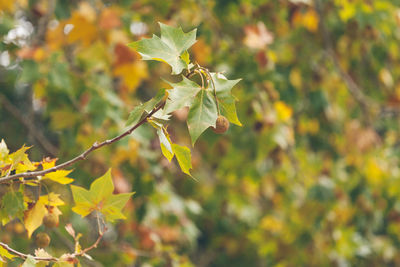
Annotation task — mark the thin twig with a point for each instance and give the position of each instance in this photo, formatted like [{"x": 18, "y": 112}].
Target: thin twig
[
  {"x": 24, "y": 256},
  {"x": 36, "y": 133},
  {"x": 83, "y": 155}
]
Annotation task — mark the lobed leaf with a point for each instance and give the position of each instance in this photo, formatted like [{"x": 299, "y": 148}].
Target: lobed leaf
[{"x": 169, "y": 48}]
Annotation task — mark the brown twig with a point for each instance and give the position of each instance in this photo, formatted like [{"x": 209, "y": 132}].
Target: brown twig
[
  {"x": 24, "y": 256},
  {"x": 36, "y": 133},
  {"x": 84, "y": 154}
]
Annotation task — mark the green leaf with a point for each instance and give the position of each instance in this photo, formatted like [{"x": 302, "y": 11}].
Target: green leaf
[
  {"x": 12, "y": 205},
  {"x": 165, "y": 144},
  {"x": 148, "y": 106},
  {"x": 168, "y": 48},
  {"x": 181, "y": 95},
  {"x": 202, "y": 114},
  {"x": 225, "y": 98},
  {"x": 100, "y": 198},
  {"x": 135, "y": 115},
  {"x": 184, "y": 158}
]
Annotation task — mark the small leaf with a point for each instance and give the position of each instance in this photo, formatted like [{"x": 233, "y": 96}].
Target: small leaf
[
  {"x": 183, "y": 156},
  {"x": 168, "y": 48},
  {"x": 202, "y": 114},
  {"x": 148, "y": 106},
  {"x": 135, "y": 115}
]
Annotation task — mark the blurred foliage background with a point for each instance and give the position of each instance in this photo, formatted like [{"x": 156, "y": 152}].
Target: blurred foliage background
[{"x": 311, "y": 179}]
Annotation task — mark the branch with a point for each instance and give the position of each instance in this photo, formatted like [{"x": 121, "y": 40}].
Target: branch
[
  {"x": 24, "y": 256},
  {"x": 36, "y": 133},
  {"x": 82, "y": 156}
]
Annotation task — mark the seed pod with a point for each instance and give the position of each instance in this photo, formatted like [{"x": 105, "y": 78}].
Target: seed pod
[
  {"x": 222, "y": 125},
  {"x": 50, "y": 220},
  {"x": 42, "y": 240}
]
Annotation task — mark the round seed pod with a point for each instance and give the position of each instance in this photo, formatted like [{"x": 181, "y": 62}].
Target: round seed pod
[
  {"x": 222, "y": 125},
  {"x": 42, "y": 240},
  {"x": 50, "y": 220}
]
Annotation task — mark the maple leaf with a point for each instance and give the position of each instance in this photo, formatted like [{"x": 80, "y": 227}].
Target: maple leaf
[
  {"x": 100, "y": 198},
  {"x": 169, "y": 48}
]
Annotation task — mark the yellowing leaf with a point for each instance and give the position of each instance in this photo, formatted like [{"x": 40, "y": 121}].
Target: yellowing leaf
[
  {"x": 51, "y": 199},
  {"x": 59, "y": 176},
  {"x": 100, "y": 198},
  {"x": 20, "y": 161},
  {"x": 33, "y": 217},
  {"x": 184, "y": 158}
]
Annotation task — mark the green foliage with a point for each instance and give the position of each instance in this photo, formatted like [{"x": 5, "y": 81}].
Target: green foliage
[{"x": 170, "y": 48}]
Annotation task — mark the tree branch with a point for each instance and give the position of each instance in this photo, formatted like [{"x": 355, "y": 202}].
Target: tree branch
[
  {"x": 84, "y": 154},
  {"x": 24, "y": 256}
]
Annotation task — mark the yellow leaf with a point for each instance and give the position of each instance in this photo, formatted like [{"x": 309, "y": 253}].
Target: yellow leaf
[
  {"x": 51, "y": 199},
  {"x": 20, "y": 160},
  {"x": 59, "y": 176},
  {"x": 48, "y": 163},
  {"x": 33, "y": 217}
]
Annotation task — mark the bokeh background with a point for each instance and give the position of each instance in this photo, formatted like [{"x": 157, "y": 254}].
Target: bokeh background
[{"x": 311, "y": 179}]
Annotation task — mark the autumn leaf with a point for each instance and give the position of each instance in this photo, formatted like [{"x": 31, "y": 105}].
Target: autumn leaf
[
  {"x": 100, "y": 198},
  {"x": 33, "y": 217}
]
